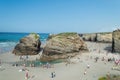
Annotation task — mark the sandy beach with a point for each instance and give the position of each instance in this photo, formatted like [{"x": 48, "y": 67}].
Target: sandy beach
[{"x": 76, "y": 70}]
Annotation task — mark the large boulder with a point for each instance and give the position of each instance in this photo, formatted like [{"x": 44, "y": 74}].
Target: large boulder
[
  {"x": 63, "y": 45},
  {"x": 29, "y": 45},
  {"x": 116, "y": 41}
]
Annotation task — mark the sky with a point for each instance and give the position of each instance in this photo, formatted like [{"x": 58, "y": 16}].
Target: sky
[{"x": 55, "y": 16}]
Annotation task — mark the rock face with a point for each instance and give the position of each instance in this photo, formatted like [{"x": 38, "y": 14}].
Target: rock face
[
  {"x": 116, "y": 41},
  {"x": 89, "y": 37},
  {"x": 29, "y": 45},
  {"x": 105, "y": 37},
  {"x": 63, "y": 45}
]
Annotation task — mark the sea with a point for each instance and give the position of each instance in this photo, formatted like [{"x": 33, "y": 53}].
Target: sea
[{"x": 8, "y": 40}]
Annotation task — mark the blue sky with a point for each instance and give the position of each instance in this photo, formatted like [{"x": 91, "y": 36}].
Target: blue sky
[{"x": 55, "y": 16}]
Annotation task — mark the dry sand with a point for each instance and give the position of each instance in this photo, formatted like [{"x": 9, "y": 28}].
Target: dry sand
[{"x": 73, "y": 71}]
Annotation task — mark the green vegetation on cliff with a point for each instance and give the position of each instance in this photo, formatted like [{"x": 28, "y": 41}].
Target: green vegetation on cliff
[
  {"x": 62, "y": 35},
  {"x": 36, "y": 36},
  {"x": 67, "y": 34}
]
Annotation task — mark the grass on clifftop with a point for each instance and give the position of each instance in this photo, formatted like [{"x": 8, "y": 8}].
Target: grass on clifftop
[
  {"x": 62, "y": 35},
  {"x": 67, "y": 34},
  {"x": 36, "y": 36}
]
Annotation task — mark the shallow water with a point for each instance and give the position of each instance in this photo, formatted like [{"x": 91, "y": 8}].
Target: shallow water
[
  {"x": 36, "y": 63},
  {"x": 9, "y": 40}
]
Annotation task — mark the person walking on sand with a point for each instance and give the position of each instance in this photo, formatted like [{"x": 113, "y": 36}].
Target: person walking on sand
[
  {"x": 26, "y": 75},
  {"x": 47, "y": 65},
  {"x": 103, "y": 58},
  {"x": 24, "y": 67},
  {"x": 96, "y": 59},
  {"x": 85, "y": 72},
  {"x": 52, "y": 75},
  {"x": 88, "y": 66}
]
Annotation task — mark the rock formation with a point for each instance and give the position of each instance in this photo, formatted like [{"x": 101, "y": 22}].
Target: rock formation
[
  {"x": 116, "y": 41},
  {"x": 29, "y": 45},
  {"x": 105, "y": 37},
  {"x": 63, "y": 45},
  {"x": 89, "y": 37}
]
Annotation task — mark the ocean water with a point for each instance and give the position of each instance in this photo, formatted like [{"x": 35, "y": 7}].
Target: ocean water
[{"x": 9, "y": 40}]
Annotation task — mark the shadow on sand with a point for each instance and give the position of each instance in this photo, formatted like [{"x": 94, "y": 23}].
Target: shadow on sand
[{"x": 108, "y": 48}]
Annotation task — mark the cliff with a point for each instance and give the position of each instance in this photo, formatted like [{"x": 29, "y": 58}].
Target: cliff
[
  {"x": 116, "y": 41},
  {"x": 62, "y": 46},
  {"x": 105, "y": 37},
  {"x": 29, "y": 45}
]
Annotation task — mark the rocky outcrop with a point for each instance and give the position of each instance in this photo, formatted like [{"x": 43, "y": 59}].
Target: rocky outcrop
[
  {"x": 105, "y": 37},
  {"x": 116, "y": 41},
  {"x": 29, "y": 45},
  {"x": 89, "y": 37},
  {"x": 62, "y": 46}
]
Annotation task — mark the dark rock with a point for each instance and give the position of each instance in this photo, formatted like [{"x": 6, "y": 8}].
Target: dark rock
[
  {"x": 29, "y": 45},
  {"x": 63, "y": 45},
  {"x": 116, "y": 41}
]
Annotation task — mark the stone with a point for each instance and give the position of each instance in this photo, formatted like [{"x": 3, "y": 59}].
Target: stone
[
  {"x": 104, "y": 37},
  {"x": 89, "y": 37},
  {"x": 29, "y": 45},
  {"x": 62, "y": 46},
  {"x": 116, "y": 41}
]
